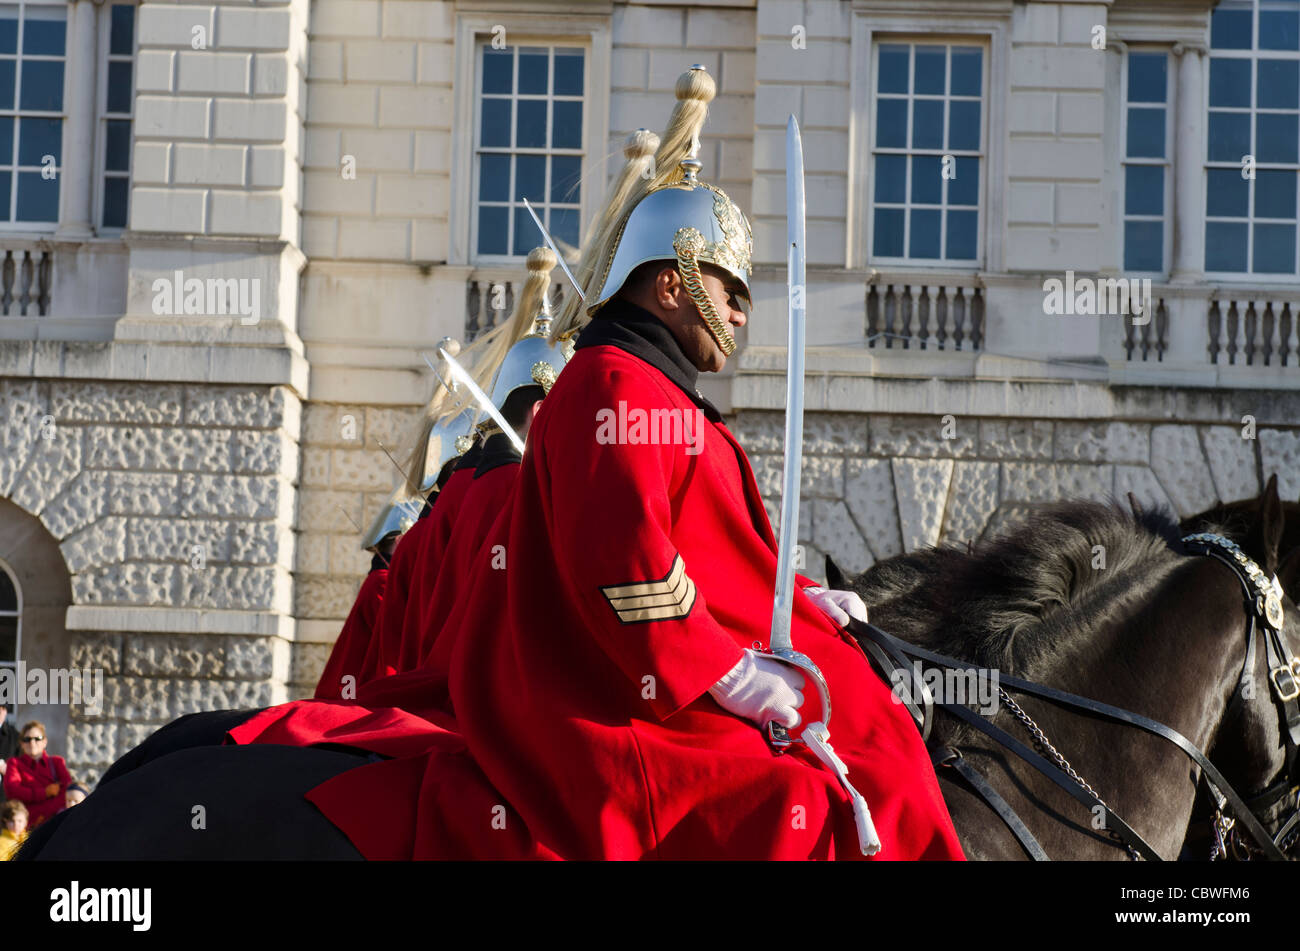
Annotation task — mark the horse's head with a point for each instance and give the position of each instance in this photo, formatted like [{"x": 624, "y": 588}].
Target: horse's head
[{"x": 1253, "y": 748}]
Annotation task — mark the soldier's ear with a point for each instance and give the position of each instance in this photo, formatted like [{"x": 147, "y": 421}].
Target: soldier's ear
[{"x": 669, "y": 289}]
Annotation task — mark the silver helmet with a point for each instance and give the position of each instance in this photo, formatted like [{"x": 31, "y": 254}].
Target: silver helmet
[
  {"x": 691, "y": 222},
  {"x": 397, "y": 515},
  {"x": 444, "y": 443},
  {"x": 533, "y": 361}
]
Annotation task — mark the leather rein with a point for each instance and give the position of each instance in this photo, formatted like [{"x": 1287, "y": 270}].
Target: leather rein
[{"x": 1263, "y": 602}]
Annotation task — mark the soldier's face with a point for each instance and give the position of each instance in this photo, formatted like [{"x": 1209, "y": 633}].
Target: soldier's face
[{"x": 676, "y": 309}]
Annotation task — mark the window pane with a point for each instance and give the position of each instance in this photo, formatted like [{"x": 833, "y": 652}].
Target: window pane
[
  {"x": 534, "y": 66},
  {"x": 567, "y": 130},
  {"x": 1276, "y": 138},
  {"x": 530, "y": 178},
  {"x": 564, "y": 225},
  {"x": 492, "y": 223},
  {"x": 927, "y": 180},
  {"x": 38, "y": 198},
  {"x": 527, "y": 236},
  {"x": 1146, "y": 133},
  {"x": 927, "y": 123},
  {"x": 8, "y": 638},
  {"x": 7, "y": 68},
  {"x": 566, "y": 173},
  {"x": 923, "y": 239},
  {"x": 891, "y": 123},
  {"x": 6, "y": 185},
  {"x": 493, "y": 177},
  {"x": 38, "y": 138},
  {"x": 43, "y": 30},
  {"x": 1278, "y": 30},
  {"x": 8, "y": 597},
  {"x": 964, "y": 125},
  {"x": 964, "y": 189},
  {"x": 498, "y": 70},
  {"x": 1275, "y": 194},
  {"x": 1229, "y": 136},
  {"x": 122, "y": 30},
  {"x": 1230, "y": 29},
  {"x": 1227, "y": 194},
  {"x": 1144, "y": 245},
  {"x": 967, "y": 70},
  {"x": 1230, "y": 82},
  {"x": 568, "y": 72},
  {"x": 1274, "y": 249},
  {"x": 1144, "y": 190},
  {"x": 117, "y": 145},
  {"x": 119, "y": 87},
  {"x": 1278, "y": 84},
  {"x": 495, "y": 131},
  {"x": 1147, "y": 77},
  {"x": 530, "y": 124},
  {"x": 1225, "y": 246},
  {"x": 962, "y": 235},
  {"x": 6, "y": 147},
  {"x": 893, "y": 69},
  {"x": 891, "y": 178},
  {"x": 42, "y": 85},
  {"x": 116, "y": 192},
  {"x": 888, "y": 233},
  {"x": 930, "y": 72},
  {"x": 8, "y": 29}
]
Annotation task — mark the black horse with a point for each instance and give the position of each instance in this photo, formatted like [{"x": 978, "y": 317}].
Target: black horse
[{"x": 1154, "y": 631}]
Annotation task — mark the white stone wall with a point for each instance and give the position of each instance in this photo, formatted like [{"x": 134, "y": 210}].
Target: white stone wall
[
  {"x": 875, "y": 486},
  {"x": 173, "y": 507},
  {"x": 346, "y": 478}
]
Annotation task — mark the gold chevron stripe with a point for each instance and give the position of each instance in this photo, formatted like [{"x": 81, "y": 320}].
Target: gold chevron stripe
[{"x": 666, "y": 599}]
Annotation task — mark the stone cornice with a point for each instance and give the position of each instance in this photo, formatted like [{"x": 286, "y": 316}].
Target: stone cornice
[{"x": 160, "y": 620}]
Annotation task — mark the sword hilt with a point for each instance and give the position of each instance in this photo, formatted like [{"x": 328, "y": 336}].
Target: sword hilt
[{"x": 778, "y": 737}]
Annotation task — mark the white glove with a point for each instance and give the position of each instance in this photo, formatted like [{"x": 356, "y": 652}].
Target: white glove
[
  {"x": 761, "y": 690},
  {"x": 839, "y": 606}
]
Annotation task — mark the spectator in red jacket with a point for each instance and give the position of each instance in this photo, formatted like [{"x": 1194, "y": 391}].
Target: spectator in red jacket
[{"x": 35, "y": 778}]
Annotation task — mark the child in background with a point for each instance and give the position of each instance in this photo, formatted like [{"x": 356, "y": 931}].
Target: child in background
[{"x": 14, "y": 831}]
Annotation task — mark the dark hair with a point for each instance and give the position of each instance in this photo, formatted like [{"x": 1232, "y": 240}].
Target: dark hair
[
  {"x": 519, "y": 402},
  {"x": 11, "y": 809}
]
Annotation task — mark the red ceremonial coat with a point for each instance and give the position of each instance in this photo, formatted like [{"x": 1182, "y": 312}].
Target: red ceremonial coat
[
  {"x": 349, "y": 651},
  {"x": 488, "y": 496},
  {"x": 639, "y": 567},
  {"x": 403, "y": 649},
  {"x": 425, "y": 540}
]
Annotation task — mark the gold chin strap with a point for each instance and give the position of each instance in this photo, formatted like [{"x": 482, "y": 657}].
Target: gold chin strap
[{"x": 689, "y": 244}]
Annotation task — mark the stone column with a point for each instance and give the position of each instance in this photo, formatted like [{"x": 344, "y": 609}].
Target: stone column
[
  {"x": 79, "y": 166},
  {"x": 1190, "y": 130}
]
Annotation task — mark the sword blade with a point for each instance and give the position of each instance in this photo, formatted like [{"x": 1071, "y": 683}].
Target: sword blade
[
  {"x": 462, "y": 376},
  {"x": 783, "y": 603},
  {"x": 546, "y": 236}
]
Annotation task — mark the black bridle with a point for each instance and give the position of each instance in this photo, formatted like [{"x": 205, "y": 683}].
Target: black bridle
[{"x": 1263, "y": 603}]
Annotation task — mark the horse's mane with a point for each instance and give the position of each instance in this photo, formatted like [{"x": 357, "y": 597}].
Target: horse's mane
[{"x": 1017, "y": 601}]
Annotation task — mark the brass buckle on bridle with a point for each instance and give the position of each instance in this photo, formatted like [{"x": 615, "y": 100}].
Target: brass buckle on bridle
[{"x": 1292, "y": 675}]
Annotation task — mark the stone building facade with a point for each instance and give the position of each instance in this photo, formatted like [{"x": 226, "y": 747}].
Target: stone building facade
[{"x": 182, "y": 485}]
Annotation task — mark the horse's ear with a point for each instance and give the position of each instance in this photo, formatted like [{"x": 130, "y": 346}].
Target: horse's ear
[
  {"x": 1265, "y": 532},
  {"x": 835, "y": 579},
  {"x": 1288, "y": 574},
  {"x": 1135, "y": 506}
]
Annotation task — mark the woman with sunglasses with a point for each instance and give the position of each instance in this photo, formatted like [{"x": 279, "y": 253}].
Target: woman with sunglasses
[{"x": 35, "y": 778}]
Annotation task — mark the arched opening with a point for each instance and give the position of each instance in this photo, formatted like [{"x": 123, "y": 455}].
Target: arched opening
[{"x": 35, "y": 592}]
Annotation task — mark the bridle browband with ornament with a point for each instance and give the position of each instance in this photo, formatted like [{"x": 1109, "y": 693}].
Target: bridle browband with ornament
[{"x": 1263, "y": 602}]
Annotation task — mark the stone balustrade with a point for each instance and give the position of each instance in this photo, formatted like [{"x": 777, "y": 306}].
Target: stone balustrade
[{"x": 25, "y": 278}]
